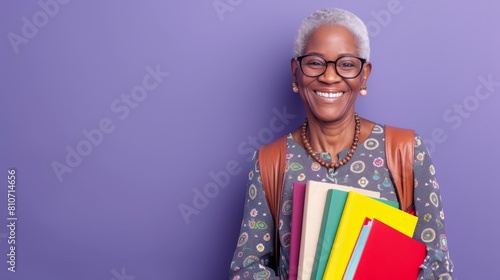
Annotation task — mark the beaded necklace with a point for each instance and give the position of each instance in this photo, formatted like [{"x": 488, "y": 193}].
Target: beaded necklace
[{"x": 329, "y": 165}]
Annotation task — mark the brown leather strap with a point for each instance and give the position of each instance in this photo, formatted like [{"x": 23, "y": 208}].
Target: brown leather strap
[
  {"x": 272, "y": 162},
  {"x": 399, "y": 152}
]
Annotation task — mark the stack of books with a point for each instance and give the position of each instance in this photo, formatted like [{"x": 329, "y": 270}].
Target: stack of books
[{"x": 341, "y": 232}]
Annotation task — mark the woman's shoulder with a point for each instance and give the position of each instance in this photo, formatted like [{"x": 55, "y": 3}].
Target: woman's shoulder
[
  {"x": 399, "y": 133},
  {"x": 382, "y": 131},
  {"x": 380, "y": 128}
]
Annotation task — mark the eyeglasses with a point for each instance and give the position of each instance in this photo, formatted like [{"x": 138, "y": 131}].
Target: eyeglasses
[{"x": 347, "y": 67}]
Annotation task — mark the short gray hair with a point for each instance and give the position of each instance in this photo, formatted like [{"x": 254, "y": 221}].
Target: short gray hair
[{"x": 332, "y": 17}]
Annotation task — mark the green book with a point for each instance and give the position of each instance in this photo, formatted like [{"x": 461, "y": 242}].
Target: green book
[{"x": 335, "y": 201}]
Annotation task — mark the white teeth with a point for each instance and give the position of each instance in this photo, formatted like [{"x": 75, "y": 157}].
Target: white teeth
[{"x": 329, "y": 94}]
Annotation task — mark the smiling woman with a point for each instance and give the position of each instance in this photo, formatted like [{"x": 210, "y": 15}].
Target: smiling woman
[
  {"x": 329, "y": 93},
  {"x": 330, "y": 68}
]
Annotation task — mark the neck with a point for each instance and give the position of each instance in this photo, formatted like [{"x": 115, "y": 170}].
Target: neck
[
  {"x": 339, "y": 163},
  {"x": 331, "y": 137}
]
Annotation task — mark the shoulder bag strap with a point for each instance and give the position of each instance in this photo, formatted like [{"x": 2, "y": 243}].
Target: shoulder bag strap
[
  {"x": 272, "y": 161},
  {"x": 399, "y": 151}
]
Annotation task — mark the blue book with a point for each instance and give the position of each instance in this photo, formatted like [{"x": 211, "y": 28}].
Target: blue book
[{"x": 358, "y": 250}]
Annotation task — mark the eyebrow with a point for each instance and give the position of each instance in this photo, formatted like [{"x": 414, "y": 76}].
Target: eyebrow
[{"x": 340, "y": 55}]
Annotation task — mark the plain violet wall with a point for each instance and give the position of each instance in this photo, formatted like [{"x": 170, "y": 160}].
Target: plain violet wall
[{"x": 119, "y": 116}]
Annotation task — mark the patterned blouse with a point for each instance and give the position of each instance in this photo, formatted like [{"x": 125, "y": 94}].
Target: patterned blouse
[{"x": 367, "y": 169}]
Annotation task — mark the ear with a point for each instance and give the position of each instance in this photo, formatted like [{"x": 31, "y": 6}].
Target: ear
[
  {"x": 293, "y": 64},
  {"x": 367, "y": 69}
]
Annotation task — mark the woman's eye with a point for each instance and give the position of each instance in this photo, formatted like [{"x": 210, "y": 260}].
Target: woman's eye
[
  {"x": 347, "y": 64},
  {"x": 315, "y": 63}
]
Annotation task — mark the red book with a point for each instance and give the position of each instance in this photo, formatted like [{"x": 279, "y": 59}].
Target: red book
[
  {"x": 389, "y": 254},
  {"x": 299, "y": 192}
]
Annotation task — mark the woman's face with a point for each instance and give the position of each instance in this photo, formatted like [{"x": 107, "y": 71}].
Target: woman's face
[{"x": 330, "y": 97}]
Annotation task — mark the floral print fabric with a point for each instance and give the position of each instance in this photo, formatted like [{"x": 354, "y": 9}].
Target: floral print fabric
[{"x": 367, "y": 169}]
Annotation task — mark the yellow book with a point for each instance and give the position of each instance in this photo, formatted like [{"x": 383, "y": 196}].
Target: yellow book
[{"x": 357, "y": 208}]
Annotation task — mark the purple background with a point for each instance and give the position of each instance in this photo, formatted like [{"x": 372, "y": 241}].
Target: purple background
[{"x": 117, "y": 214}]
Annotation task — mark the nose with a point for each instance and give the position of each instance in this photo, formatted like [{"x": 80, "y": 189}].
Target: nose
[{"x": 330, "y": 76}]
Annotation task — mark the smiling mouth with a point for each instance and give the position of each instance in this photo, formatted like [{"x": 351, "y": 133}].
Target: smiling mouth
[{"x": 329, "y": 94}]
